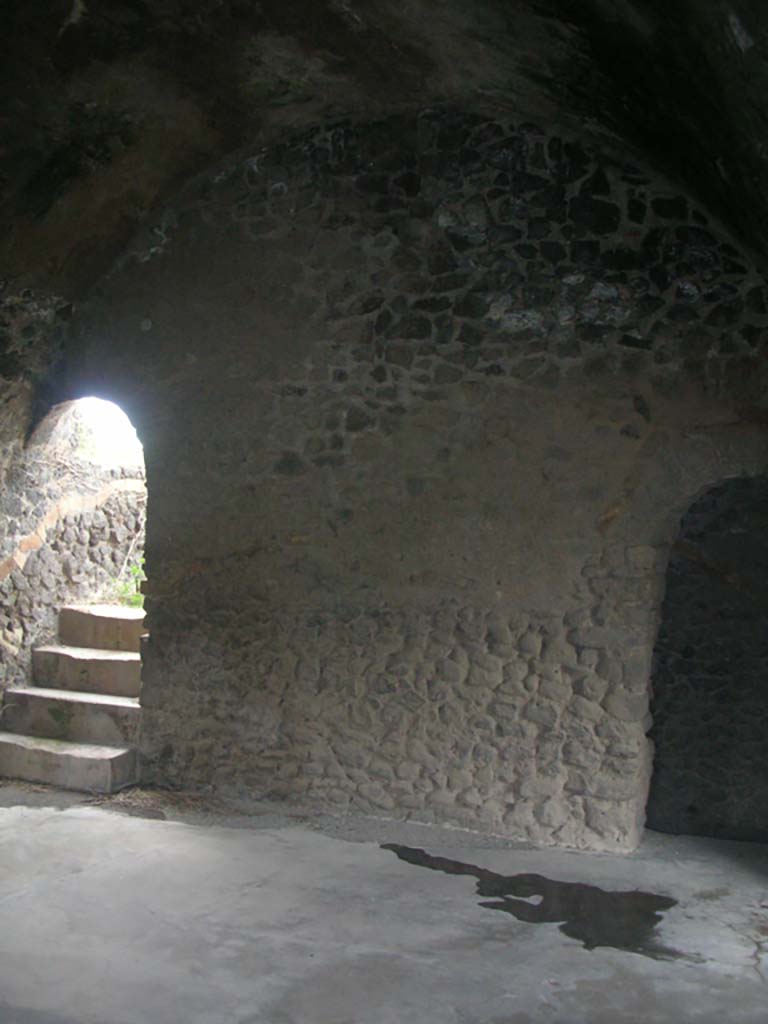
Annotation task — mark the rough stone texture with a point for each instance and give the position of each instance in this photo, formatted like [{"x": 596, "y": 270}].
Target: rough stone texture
[
  {"x": 104, "y": 108},
  {"x": 32, "y": 331},
  {"x": 86, "y": 555},
  {"x": 422, "y": 401},
  {"x": 432, "y": 362},
  {"x": 710, "y": 681}
]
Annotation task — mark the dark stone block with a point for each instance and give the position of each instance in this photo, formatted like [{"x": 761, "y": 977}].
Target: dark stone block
[
  {"x": 528, "y": 367},
  {"x": 409, "y": 182},
  {"x": 539, "y": 296},
  {"x": 624, "y": 259},
  {"x": 441, "y": 260},
  {"x": 444, "y": 329},
  {"x": 452, "y": 138},
  {"x": 527, "y": 251},
  {"x": 436, "y": 304},
  {"x": 513, "y": 211},
  {"x": 373, "y": 184},
  {"x": 654, "y": 239},
  {"x": 597, "y": 184},
  {"x": 472, "y": 305},
  {"x": 469, "y": 335},
  {"x": 723, "y": 292},
  {"x": 681, "y": 313},
  {"x": 504, "y": 234},
  {"x": 400, "y": 355},
  {"x": 726, "y": 314},
  {"x": 660, "y": 276},
  {"x": 416, "y": 327},
  {"x": 572, "y": 163},
  {"x": 413, "y": 284},
  {"x": 553, "y": 252},
  {"x": 630, "y": 341},
  {"x": 367, "y": 304},
  {"x": 593, "y": 332},
  {"x": 595, "y": 215},
  {"x": 753, "y": 336},
  {"x": 585, "y": 252},
  {"x": 522, "y": 182},
  {"x": 383, "y": 321},
  {"x": 538, "y": 228},
  {"x": 389, "y": 204},
  {"x": 406, "y": 259},
  {"x": 551, "y": 197},
  {"x": 446, "y": 374},
  {"x": 461, "y": 242},
  {"x": 290, "y": 464},
  {"x": 358, "y": 419},
  {"x": 732, "y": 267},
  {"x": 450, "y": 282},
  {"x": 671, "y": 208},
  {"x": 469, "y": 158},
  {"x": 636, "y": 211},
  {"x": 692, "y": 235},
  {"x": 555, "y": 150},
  {"x": 756, "y": 301}
]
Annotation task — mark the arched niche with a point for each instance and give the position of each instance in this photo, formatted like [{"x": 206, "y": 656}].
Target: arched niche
[{"x": 710, "y": 675}]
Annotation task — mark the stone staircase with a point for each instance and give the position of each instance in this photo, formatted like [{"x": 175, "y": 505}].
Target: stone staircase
[{"x": 77, "y": 725}]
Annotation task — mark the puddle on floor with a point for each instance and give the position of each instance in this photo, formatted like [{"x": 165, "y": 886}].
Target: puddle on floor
[{"x": 595, "y": 917}]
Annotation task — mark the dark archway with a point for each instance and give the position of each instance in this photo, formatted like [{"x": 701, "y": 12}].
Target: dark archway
[{"x": 710, "y": 678}]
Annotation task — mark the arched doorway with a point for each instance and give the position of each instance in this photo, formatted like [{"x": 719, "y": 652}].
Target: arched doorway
[
  {"x": 710, "y": 678},
  {"x": 77, "y": 502},
  {"x": 83, "y": 498}
]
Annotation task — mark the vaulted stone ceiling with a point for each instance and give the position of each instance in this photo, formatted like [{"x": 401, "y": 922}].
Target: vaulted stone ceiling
[
  {"x": 110, "y": 104},
  {"x": 423, "y": 394}
]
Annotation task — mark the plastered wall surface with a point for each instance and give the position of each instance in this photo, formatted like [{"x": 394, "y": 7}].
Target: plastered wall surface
[{"x": 422, "y": 403}]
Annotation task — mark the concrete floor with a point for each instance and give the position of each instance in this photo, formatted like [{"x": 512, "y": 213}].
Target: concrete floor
[{"x": 108, "y": 918}]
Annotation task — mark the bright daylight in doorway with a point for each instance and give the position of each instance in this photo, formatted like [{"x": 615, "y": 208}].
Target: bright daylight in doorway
[{"x": 108, "y": 437}]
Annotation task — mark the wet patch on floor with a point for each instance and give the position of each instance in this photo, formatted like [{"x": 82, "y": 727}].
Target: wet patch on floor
[{"x": 595, "y": 917}]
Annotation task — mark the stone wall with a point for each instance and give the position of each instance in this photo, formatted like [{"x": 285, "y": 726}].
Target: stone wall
[
  {"x": 422, "y": 403},
  {"x": 85, "y": 557},
  {"x": 710, "y": 680},
  {"x": 72, "y": 531}
]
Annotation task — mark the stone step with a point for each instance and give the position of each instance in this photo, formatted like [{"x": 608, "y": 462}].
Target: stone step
[
  {"x": 81, "y": 766},
  {"x": 87, "y": 670},
  {"x": 106, "y": 626},
  {"x": 71, "y": 715}
]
